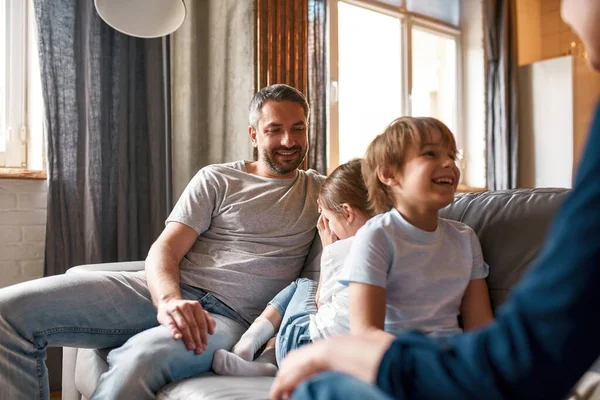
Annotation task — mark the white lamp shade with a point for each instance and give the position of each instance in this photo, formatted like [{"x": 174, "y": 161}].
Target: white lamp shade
[{"x": 142, "y": 18}]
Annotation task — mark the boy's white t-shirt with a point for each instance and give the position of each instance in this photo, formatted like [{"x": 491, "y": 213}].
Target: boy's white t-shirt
[
  {"x": 425, "y": 274},
  {"x": 332, "y": 318}
]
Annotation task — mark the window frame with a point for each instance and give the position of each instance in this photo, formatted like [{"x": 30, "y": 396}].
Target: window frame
[{"x": 24, "y": 130}]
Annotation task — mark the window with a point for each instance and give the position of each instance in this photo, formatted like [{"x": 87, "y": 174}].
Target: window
[
  {"x": 21, "y": 103},
  {"x": 366, "y": 106},
  {"x": 434, "y": 76},
  {"x": 404, "y": 57}
]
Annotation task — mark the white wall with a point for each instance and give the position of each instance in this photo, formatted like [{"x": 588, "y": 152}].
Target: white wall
[
  {"x": 546, "y": 123},
  {"x": 22, "y": 229},
  {"x": 472, "y": 135}
]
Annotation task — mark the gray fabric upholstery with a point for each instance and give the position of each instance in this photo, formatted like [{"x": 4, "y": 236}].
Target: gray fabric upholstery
[
  {"x": 511, "y": 226},
  {"x": 213, "y": 387}
]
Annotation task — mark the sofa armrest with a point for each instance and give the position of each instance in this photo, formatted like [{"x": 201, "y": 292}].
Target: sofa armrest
[
  {"x": 69, "y": 389},
  {"x": 117, "y": 266}
]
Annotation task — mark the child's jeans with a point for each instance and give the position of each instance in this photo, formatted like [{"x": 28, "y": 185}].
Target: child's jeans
[{"x": 295, "y": 303}]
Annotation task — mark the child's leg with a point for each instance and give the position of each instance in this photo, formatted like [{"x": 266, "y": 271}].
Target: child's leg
[
  {"x": 267, "y": 324},
  {"x": 302, "y": 303},
  {"x": 226, "y": 363},
  {"x": 262, "y": 329},
  {"x": 295, "y": 326},
  {"x": 295, "y": 329}
]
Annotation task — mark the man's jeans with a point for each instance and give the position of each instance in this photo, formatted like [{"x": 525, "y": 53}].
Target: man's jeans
[
  {"x": 295, "y": 303},
  {"x": 101, "y": 310}
]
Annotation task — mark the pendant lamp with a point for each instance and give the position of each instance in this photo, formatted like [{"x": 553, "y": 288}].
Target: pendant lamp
[{"x": 142, "y": 18}]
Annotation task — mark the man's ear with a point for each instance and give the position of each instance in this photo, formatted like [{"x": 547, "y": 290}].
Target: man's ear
[
  {"x": 387, "y": 176},
  {"x": 252, "y": 134}
]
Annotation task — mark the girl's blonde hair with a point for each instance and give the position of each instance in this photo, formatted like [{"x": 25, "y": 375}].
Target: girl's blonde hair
[
  {"x": 387, "y": 151},
  {"x": 345, "y": 185}
]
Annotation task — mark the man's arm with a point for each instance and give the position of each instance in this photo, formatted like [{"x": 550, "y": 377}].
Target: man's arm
[{"x": 185, "y": 319}]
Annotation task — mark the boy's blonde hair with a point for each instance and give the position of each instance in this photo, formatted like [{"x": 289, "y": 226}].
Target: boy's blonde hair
[{"x": 387, "y": 151}]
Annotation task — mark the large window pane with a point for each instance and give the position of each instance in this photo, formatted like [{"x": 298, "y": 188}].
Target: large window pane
[
  {"x": 370, "y": 77},
  {"x": 434, "y": 77},
  {"x": 442, "y": 10},
  {"x": 3, "y": 61}
]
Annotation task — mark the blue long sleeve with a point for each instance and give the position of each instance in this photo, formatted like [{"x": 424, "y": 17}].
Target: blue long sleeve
[{"x": 545, "y": 336}]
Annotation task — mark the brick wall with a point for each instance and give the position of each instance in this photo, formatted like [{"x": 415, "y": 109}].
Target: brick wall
[{"x": 22, "y": 230}]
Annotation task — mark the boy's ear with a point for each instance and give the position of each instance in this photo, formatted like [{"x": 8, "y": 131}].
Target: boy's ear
[{"x": 387, "y": 176}]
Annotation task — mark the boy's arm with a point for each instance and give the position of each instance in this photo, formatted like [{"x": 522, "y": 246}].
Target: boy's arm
[
  {"x": 475, "y": 309},
  {"x": 367, "y": 308}
]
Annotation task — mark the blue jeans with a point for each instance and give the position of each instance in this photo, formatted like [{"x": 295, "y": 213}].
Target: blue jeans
[
  {"x": 295, "y": 303},
  {"x": 336, "y": 386},
  {"x": 101, "y": 310}
]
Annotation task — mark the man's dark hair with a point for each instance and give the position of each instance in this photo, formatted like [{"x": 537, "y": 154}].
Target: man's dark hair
[{"x": 277, "y": 92}]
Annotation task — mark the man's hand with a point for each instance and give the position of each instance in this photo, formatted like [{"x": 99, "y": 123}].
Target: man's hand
[
  {"x": 326, "y": 234},
  {"x": 353, "y": 355},
  {"x": 187, "y": 320}
]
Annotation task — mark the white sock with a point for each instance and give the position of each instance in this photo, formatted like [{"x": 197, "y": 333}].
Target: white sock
[
  {"x": 226, "y": 363},
  {"x": 258, "y": 334}
]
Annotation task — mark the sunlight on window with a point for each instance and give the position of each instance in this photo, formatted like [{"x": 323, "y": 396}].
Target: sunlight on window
[
  {"x": 3, "y": 57},
  {"x": 442, "y": 10},
  {"x": 370, "y": 77},
  {"x": 21, "y": 100},
  {"x": 434, "y": 91}
]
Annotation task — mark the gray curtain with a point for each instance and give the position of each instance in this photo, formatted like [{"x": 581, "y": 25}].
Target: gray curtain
[
  {"x": 213, "y": 82},
  {"x": 502, "y": 130},
  {"x": 317, "y": 84},
  {"x": 105, "y": 118}
]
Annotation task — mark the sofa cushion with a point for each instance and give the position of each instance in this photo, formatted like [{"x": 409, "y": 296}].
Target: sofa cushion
[
  {"x": 312, "y": 264},
  {"x": 511, "y": 226},
  {"x": 92, "y": 363},
  {"x": 213, "y": 387}
]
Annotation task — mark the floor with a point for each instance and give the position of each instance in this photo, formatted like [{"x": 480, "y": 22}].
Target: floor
[{"x": 55, "y": 396}]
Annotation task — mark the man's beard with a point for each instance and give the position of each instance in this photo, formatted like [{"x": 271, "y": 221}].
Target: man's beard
[{"x": 287, "y": 168}]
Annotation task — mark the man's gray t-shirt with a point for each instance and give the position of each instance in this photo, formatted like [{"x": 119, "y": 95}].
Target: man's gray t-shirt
[{"x": 254, "y": 233}]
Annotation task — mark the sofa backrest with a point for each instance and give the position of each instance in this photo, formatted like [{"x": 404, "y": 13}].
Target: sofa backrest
[{"x": 511, "y": 226}]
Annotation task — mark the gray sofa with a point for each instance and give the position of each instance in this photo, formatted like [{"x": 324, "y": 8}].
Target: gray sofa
[{"x": 511, "y": 226}]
